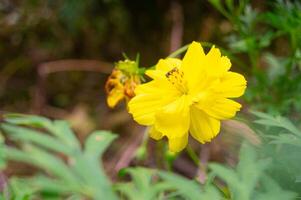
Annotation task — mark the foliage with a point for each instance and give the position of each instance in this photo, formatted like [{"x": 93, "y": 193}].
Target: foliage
[
  {"x": 243, "y": 181},
  {"x": 155, "y": 184},
  {"x": 255, "y": 34},
  {"x": 284, "y": 148},
  {"x": 68, "y": 168},
  {"x": 286, "y": 19},
  {"x": 289, "y": 133}
]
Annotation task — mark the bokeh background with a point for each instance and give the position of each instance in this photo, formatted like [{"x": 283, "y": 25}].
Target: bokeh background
[
  {"x": 55, "y": 56},
  {"x": 34, "y": 32}
]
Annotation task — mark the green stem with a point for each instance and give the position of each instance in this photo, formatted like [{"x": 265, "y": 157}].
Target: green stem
[
  {"x": 194, "y": 157},
  {"x": 178, "y": 52},
  {"x": 185, "y": 47}
]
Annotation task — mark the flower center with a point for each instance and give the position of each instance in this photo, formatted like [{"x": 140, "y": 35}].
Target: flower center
[{"x": 176, "y": 78}]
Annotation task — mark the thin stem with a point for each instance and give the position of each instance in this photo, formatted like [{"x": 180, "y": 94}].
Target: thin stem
[
  {"x": 185, "y": 47},
  {"x": 178, "y": 52},
  {"x": 194, "y": 157}
]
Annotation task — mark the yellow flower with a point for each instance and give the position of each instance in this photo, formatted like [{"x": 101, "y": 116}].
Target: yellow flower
[
  {"x": 188, "y": 96},
  {"x": 122, "y": 82}
]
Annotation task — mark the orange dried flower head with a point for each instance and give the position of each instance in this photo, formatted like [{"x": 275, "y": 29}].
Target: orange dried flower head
[{"x": 122, "y": 82}]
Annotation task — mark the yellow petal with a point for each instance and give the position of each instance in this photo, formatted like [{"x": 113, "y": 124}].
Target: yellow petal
[
  {"x": 220, "y": 108},
  {"x": 203, "y": 127},
  {"x": 115, "y": 96},
  {"x": 232, "y": 85},
  {"x": 177, "y": 144},
  {"x": 153, "y": 133},
  {"x": 216, "y": 64},
  {"x": 163, "y": 66},
  {"x": 168, "y": 64},
  {"x": 173, "y": 120},
  {"x": 149, "y": 98},
  {"x": 193, "y": 64},
  {"x": 205, "y": 84}
]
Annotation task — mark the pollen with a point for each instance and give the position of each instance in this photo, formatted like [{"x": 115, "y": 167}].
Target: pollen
[{"x": 176, "y": 78}]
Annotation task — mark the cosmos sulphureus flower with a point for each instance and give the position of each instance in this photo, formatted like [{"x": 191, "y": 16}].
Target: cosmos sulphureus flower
[{"x": 189, "y": 96}]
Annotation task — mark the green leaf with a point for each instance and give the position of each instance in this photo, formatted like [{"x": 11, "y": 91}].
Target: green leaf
[
  {"x": 284, "y": 139},
  {"x": 46, "y": 184},
  {"x": 28, "y": 135},
  {"x": 272, "y": 191},
  {"x": 44, "y": 160},
  {"x": 220, "y": 7},
  {"x": 74, "y": 170},
  {"x": 59, "y": 128},
  {"x": 28, "y": 120},
  {"x": 149, "y": 184},
  {"x": 142, "y": 185},
  {"x": 189, "y": 189},
  {"x": 21, "y": 189},
  {"x": 62, "y": 130},
  {"x": 278, "y": 121},
  {"x": 249, "y": 167},
  {"x": 98, "y": 142},
  {"x": 242, "y": 180}
]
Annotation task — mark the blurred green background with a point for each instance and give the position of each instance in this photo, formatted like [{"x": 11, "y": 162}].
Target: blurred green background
[{"x": 34, "y": 32}]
